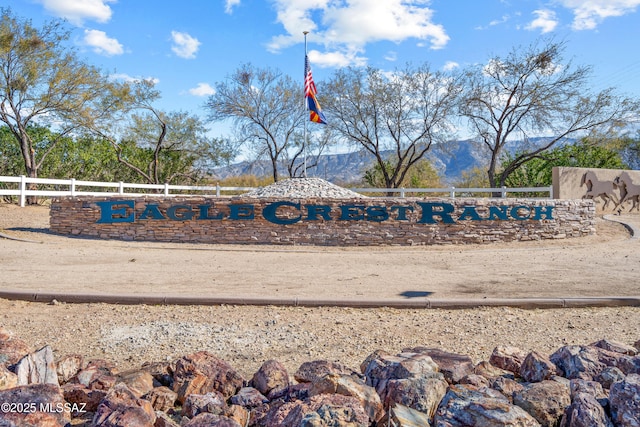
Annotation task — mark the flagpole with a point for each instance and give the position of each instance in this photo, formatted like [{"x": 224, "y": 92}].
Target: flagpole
[{"x": 306, "y": 108}]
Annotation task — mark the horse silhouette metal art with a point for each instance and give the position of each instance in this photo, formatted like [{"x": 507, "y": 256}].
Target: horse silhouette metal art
[
  {"x": 628, "y": 191},
  {"x": 597, "y": 188}
]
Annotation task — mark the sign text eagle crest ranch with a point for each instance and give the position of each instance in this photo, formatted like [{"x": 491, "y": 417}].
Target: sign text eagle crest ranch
[{"x": 284, "y": 212}]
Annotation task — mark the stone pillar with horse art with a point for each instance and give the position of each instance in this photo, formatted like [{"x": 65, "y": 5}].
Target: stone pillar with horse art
[{"x": 613, "y": 190}]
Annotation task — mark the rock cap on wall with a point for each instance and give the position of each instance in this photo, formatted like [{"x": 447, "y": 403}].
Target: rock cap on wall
[{"x": 302, "y": 188}]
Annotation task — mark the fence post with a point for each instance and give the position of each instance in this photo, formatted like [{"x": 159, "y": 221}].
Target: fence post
[
  {"x": 23, "y": 190},
  {"x": 121, "y": 188},
  {"x": 166, "y": 188},
  {"x": 452, "y": 192},
  {"x": 73, "y": 187},
  {"x": 402, "y": 192},
  {"x": 551, "y": 192},
  {"x": 504, "y": 192},
  {"x": 217, "y": 189}
]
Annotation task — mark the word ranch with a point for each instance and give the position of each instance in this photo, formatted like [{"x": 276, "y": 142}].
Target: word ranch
[{"x": 287, "y": 212}]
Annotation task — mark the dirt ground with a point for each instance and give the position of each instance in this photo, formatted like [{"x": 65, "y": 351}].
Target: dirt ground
[{"x": 606, "y": 264}]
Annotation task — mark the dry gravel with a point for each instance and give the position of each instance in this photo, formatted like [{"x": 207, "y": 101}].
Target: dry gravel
[{"x": 248, "y": 336}]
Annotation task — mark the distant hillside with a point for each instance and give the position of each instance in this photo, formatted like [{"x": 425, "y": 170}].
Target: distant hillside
[{"x": 450, "y": 159}]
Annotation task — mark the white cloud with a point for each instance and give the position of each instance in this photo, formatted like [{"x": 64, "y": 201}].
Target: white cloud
[
  {"x": 203, "y": 89},
  {"x": 346, "y": 27},
  {"x": 589, "y": 13},
  {"x": 546, "y": 21},
  {"x": 450, "y": 65},
  {"x": 102, "y": 44},
  {"x": 131, "y": 79},
  {"x": 230, "y": 4},
  {"x": 77, "y": 11},
  {"x": 184, "y": 45},
  {"x": 336, "y": 59},
  {"x": 391, "y": 56}
]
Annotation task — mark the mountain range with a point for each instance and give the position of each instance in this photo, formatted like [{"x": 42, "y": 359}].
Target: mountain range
[{"x": 449, "y": 159}]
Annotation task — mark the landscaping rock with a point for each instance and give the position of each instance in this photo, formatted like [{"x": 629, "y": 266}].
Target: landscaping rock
[
  {"x": 384, "y": 368},
  {"x": 41, "y": 405},
  {"x": 453, "y": 366},
  {"x": 11, "y": 349},
  {"x": 536, "y": 368},
  {"x": 121, "y": 407},
  {"x": 249, "y": 397},
  {"x": 545, "y": 401},
  {"x": 348, "y": 385},
  {"x": 162, "y": 398},
  {"x": 68, "y": 367},
  {"x": 271, "y": 375},
  {"x": 309, "y": 372},
  {"x": 463, "y": 406},
  {"x": 624, "y": 398},
  {"x": 37, "y": 368},
  {"x": 508, "y": 358},
  {"x": 7, "y": 378},
  {"x": 201, "y": 373},
  {"x": 423, "y": 394},
  {"x": 575, "y": 361},
  {"x": 212, "y": 403},
  {"x": 585, "y": 411}
]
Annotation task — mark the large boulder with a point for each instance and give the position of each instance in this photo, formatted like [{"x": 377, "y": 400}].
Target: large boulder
[
  {"x": 453, "y": 366},
  {"x": 423, "y": 394},
  {"x": 463, "y": 406},
  {"x": 576, "y": 361},
  {"x": 7, "y": 378},
  {"x": 41, "y": 405},
  {"x": 311, "y": 371},
  {"x": 68, "y": 367},
  {"x": 11, "y": 349},
  {"x": 201, "y": 373},
  {"x": 536, "y": 368},
  {"x": 508, "y": 358},
  {"x": 37, "y": 368},
  {"x": 212, "y": 403},
  {"x": 121, "y": 407},
  {"x": 624, "y": 398},
  {"x": 272, "y": 375},
  {"x": 348, "y": 385},
  {"x": 140, "y": 382},
  {"x": 384, "y": 368},
  {"x": 545, "y": 401},
  {"x": 585, "y": 411},
  {"x": 162, "y": 398}
]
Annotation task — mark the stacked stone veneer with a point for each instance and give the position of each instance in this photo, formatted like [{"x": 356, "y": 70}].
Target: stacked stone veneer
[{"x": 363, "y": 220}]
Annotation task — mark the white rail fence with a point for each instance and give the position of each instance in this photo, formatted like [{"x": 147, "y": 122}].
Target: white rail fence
[{"x": 19, "y": 186}]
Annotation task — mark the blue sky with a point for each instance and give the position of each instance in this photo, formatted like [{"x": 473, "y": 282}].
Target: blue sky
[{"x": 187, "y": 46}]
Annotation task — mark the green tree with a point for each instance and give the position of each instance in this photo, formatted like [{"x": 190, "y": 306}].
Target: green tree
[
  {"x": 42, "y": 81},
  {"x": 402, "y": 113},
  {"x": 531, "y": 92},
  {"x": 157, "y": 146},
  {"x": 420, "y": 175},
  {"x": 584, "y": 154}
]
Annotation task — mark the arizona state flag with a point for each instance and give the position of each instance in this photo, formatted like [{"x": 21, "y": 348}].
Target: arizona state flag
[{"x": 315, "y": 112}]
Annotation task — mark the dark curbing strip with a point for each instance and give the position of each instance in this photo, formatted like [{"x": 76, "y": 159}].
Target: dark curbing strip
[
  {"x": 9, "y": 237},
  {"x": 426, "y": 303},
  {"x": 634, "y": 230}
]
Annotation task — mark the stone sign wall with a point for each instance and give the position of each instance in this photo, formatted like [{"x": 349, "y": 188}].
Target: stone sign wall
[
  {"x": 321, "y": 221},
  {"x": 611, "y": 189}
]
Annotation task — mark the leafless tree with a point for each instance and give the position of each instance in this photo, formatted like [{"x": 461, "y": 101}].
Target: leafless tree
[
  {"x": 533, "y": 96},
  {"x": 402, "y": 113}
]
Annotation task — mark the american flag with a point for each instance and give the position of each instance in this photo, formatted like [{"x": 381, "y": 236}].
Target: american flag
[{"x": 315, "y": 112}]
